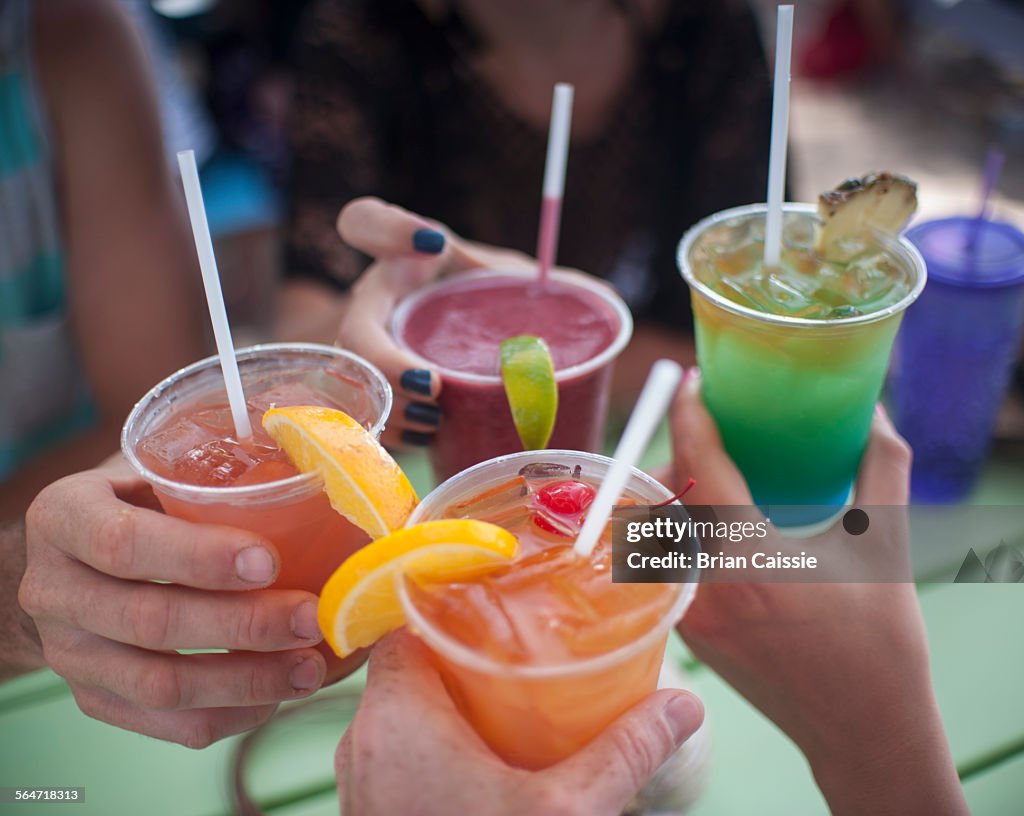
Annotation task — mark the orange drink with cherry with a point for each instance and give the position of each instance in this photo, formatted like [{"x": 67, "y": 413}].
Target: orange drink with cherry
[{"x": 538, "y": 647}]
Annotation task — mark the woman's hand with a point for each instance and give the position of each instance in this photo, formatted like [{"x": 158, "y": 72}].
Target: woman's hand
[
  {"x": 409, "y": 750},
  {"x": 409, "y": 251},
  {"x": 842, "y": 668}
]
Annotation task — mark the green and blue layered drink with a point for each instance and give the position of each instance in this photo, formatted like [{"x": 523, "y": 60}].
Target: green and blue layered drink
[{"x": 793, "y": 358}]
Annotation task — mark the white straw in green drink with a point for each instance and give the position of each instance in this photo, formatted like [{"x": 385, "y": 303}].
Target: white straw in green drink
[
  {"x": 214, "y": 295},
  {"x": 780, "y": 135},
  {"x": 654, "y": 400}
]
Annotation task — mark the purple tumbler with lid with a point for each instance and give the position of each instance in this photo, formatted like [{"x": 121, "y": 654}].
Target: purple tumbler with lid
[{"x": 955, "y": 351}]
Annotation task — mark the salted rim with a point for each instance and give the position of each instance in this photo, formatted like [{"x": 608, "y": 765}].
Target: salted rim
[
  {"x": 290, "y": 486},
  {"x": 897, "y": 244},
  {"x": 605, "y": 356},
  {"x": 465, "y": 656}
]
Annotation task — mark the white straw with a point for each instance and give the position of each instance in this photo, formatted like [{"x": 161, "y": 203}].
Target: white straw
[
  {"x": 558, "y": 141},
  {"x": 658, "y": 391},
  {"x": 780, "y": 134},
  {"x": 214, "y": 296}
]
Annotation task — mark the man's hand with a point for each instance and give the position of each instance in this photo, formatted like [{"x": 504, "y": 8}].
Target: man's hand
[
  {"x": 409, "y": 750},
  {"x": 97, "y": 546}
]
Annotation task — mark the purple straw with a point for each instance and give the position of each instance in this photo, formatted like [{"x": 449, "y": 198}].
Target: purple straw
[{"x": 990, "y": 178}]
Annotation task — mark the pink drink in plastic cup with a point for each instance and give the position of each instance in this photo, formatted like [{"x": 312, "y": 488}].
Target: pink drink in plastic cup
[{"x": 456, "y": 327}]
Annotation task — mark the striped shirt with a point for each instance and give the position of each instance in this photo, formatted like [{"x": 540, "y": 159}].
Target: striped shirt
[{"x": 43, "y": 396}]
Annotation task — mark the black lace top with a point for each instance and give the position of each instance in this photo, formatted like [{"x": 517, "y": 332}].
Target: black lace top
[{"x": 386, "y": 105}]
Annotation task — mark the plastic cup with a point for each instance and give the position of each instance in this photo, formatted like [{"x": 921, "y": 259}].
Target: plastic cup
[
  {"x": 793, "y": 397},
  {"x": 294, "y": 514},
  {"x": 477, "y": 422},
  {"x": 536, "y": 715},
  {"x": 954, "y": 355}
]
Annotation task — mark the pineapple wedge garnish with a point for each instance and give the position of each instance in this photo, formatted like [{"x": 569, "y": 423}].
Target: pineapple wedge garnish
[{"x": 878, "y": 201}]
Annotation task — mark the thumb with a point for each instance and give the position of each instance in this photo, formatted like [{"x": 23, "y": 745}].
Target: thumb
[
  {"x": 697, "y": 450},
  {"x": 884, "y": 476},
  {"x": 620, "y": 761},
  {"x": 343, "y": 771}
]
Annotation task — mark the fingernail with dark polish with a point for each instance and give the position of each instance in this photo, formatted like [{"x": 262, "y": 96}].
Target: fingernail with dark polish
[
  {"x": 416, "y": 381},
  {"x": 254, "y": 565},
  {"x": 416, "y": 438},
  {"x": 306, "y": 675},
  {"x": 428, "y": 240},
  {"x": 304, "y": 623},
  {"x": 423, "y": 414}
]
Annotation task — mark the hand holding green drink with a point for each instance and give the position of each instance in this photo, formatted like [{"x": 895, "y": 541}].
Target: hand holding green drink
[{"x": 795, "y": 314}]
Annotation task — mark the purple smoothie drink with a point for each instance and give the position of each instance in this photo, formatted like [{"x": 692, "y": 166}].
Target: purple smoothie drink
[{"x": 456, "y": 328}]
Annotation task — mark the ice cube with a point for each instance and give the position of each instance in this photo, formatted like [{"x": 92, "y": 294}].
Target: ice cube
[
  {"x": 565, "y": 525},
  {"x": 279, "y": 394},
  {"x": 756, "y": 289},
  {"x": 272, "y": 470},
  {"x": 490, "y": 502},
  {"x": 537, "y": 567},
  {"x": 619, "y": 617},
  {"x": 323, "y": 388},
  {"x": 595, "y": 637},
  {"x": 337, "y": 390},
  {"x": 574, "y": 598},
  {"x": 786, "y": 293},
  {"x": 870, "y": 280},
  {"x": 736, "y": 259},
  {"x": 832, "y": 294},
  {"x": 798, "y": 234},
  {"x": 213, "y": 464},
  {"x": 217, "y": 421},
  {"x": 513, "y": 518},
  {"x": 734, "y": 291},
  {"x": 168, "y": 446},
  {"x": 472, "y": 613},
  {"x": 503, "y": 638},
  {"x": 795, "y": 283}
]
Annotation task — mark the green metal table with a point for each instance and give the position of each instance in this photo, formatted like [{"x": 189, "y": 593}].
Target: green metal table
[{"x": 977, "y": 662}]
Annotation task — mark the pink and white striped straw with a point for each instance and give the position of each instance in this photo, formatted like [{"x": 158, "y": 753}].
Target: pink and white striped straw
[{"x": 554, "y": 178}]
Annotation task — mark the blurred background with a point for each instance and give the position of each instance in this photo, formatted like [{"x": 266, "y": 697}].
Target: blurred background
[{"x": 920, "y": 87}]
